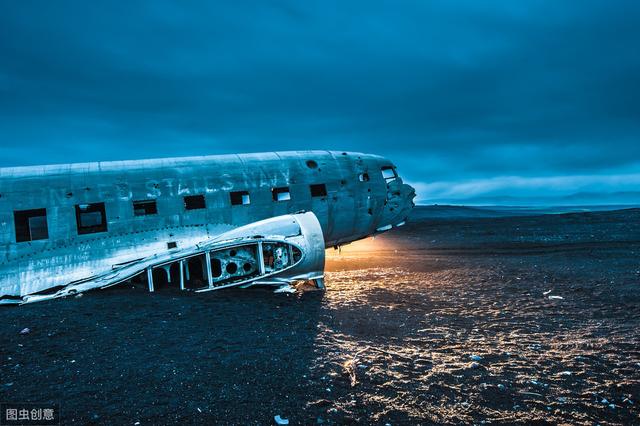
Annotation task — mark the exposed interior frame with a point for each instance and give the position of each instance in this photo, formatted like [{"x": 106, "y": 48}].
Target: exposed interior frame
[{"x": 212, "y": 282}]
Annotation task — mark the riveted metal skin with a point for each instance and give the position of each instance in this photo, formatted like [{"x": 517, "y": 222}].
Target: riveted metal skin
[{"x": 351, "y": 209}]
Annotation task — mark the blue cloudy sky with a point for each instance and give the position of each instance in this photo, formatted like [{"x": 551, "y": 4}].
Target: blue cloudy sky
[{"x": 475, "y": 101}]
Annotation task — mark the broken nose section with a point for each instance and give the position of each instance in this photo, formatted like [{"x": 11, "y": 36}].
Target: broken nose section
[{"x": 398, "y": 205}]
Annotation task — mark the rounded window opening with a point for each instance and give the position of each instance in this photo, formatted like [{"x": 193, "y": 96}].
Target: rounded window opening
[
  {"x": 231, "y": 268},
  {"x": 312, "y": 164},
  {"x": 216, "y": 268},
  {"x": 246, "y": 267},
  {"x": 232, "y": 253}
]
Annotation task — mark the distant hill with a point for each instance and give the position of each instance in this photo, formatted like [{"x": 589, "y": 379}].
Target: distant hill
[
  {"x": 455, "y": 212},
  {"x": 437, "y": 211},
  {"x": 627, "y": 198}
]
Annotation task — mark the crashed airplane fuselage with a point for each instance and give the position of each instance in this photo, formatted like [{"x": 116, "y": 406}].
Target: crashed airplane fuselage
[{"x": 198, "y": 223}]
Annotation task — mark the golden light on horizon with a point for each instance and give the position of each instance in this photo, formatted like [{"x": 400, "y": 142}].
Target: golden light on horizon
[{"x": 368, "y": 248}]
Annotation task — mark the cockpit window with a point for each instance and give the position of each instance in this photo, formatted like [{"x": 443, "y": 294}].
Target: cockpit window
[{"x": 389, "y": 173}]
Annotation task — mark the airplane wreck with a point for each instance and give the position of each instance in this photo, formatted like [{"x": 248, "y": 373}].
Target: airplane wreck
[{"x": 194, "y": 223}]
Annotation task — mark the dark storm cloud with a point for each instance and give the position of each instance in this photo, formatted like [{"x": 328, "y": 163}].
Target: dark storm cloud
[{"x": 453, "y": 92}]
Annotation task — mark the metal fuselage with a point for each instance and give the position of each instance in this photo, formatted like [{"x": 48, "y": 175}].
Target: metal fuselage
[{"x": 357, "y": 201}]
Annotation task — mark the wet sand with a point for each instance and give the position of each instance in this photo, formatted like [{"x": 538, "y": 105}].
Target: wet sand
[{"x": 446, "y": 320}]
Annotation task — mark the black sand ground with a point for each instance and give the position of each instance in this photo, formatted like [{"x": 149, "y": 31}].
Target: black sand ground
[{"x": 389, "y": 341}]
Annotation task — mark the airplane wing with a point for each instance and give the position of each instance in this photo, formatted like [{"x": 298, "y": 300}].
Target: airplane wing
[{"x": 275, "y": 251}]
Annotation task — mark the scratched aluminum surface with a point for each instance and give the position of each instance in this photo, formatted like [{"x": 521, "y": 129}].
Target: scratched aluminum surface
[{"x": 352, "y": 209}]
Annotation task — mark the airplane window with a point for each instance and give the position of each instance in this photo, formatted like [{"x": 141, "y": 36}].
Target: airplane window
[
  {"x": 389, "y": 173},
  {"x": 318, "y": 190},
  {"x": 363, "y": 177},
  {"x": 239, "y": 198},
  {"x": 312, "y": 164},
  {"x": 194, "y": 202},
  {"x": 145, "y": 208},
  {"x": 31, "y": 225},
  {"x": 91, "y": 218},
  {"x": 281, "y": 194}
]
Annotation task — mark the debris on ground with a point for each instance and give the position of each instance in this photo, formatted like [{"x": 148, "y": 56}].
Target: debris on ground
[
  {"x": 280, "y": 421},
  {"x": 285, "y": 289}
]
